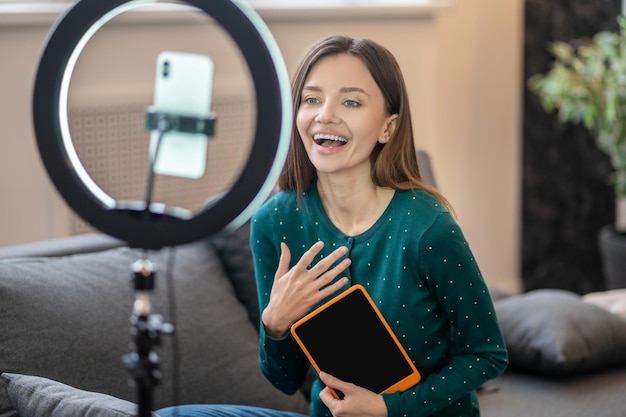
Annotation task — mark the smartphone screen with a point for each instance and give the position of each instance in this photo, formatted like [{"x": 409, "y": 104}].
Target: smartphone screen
[{"x": 183, "y": 86}]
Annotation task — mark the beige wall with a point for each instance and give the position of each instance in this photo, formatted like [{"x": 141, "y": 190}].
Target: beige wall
[
  {"x": 462, "y": 66},
  {"x": 29, "y": 208},
  {"x": 477, "y": 146}
]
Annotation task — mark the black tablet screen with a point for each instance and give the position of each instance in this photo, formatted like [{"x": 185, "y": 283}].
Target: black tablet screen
[{"x": 349, "y": 341}]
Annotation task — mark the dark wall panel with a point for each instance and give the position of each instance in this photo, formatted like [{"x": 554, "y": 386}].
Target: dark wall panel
[{"x": 566, "y": 196}]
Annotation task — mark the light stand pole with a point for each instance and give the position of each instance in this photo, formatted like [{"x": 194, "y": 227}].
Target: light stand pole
[{"x": 146, "y": 330}]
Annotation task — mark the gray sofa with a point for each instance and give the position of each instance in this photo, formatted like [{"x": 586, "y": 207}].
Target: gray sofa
[
  {"x": 65, "y": 306},
  {"x": 567, "y": 358},
  {"x": 64, "y": 315}
]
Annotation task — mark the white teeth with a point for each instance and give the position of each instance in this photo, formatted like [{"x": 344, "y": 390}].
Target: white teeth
[{"x": 330, "y": 137}]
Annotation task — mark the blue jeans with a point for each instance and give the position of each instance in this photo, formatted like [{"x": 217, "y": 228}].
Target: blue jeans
[{"x": 222, "y": 410}]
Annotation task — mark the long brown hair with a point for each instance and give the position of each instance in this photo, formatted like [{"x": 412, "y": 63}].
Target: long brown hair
[{"x": 394, "y": 164}]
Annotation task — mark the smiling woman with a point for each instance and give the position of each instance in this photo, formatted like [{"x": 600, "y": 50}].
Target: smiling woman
[{"x": 360, "y": 214}]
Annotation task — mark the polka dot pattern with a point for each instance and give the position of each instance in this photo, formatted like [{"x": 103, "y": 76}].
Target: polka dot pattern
[{"x": 419, "y": 269}]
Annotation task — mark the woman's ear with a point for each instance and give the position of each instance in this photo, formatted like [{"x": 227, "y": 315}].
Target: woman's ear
[{"x": 390, "y": 128}]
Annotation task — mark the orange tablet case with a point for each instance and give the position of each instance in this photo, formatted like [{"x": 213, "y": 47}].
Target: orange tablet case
[{"x": 348, "y": 338}]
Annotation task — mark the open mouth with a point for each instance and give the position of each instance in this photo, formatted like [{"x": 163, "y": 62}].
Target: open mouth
[{"x": 329, "y": 141}]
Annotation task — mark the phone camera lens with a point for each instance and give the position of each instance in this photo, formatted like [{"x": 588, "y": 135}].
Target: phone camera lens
[{"x": 166, "y": 68}]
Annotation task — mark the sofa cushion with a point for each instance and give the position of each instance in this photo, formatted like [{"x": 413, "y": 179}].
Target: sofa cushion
[
  {"x": 613, "y": 300},
  {"x": 233, "y": 249},
  {"x": 36, "y": 397},
  {"x": 67, "y": 319},
  {"x": 554, "y": 332}
]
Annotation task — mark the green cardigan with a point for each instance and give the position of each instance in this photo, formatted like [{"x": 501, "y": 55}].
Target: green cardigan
[{"x": 419, "y": 269}]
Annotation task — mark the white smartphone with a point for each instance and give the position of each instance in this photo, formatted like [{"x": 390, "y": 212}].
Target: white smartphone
[{"x": 183, "y": 86}]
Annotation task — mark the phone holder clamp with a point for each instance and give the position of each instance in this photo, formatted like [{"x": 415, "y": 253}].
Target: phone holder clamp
[{"x": 162, "y": 121}]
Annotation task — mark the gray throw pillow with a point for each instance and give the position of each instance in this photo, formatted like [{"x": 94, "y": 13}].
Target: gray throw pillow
[
  {"x": 233, "y": 249},
  {"x": 34, "y": 396},
  {"x": 554, "y": 332}
]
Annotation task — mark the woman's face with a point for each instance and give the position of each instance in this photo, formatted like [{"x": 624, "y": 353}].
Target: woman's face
[{"x": 342, "y": 116}]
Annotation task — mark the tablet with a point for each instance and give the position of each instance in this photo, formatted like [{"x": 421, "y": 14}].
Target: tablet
[{"x": 348, "y": 338}]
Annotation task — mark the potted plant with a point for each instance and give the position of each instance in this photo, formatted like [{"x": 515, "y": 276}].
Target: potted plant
[{"x": 587, "y": 84}]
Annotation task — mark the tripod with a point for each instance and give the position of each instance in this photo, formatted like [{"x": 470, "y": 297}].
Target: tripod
[{"x": 146, "y": 330}]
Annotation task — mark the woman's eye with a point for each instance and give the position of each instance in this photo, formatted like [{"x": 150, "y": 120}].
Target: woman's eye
[
  {"x": 351, "y": 103},
  {"x": 310, "y": 100}
]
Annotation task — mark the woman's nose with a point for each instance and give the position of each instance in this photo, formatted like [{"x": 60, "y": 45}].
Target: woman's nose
[{"x": 326, "y": 113}]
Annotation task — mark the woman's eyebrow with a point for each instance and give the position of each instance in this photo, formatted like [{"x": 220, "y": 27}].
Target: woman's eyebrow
[
  {"x": 341, "y": 90},
  {"x": 353, "y": 90},
  {"x": 311, "y": 88}
]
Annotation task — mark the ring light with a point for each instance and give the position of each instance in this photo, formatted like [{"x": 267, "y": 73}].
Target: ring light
[{"x": 158, "y": 226}]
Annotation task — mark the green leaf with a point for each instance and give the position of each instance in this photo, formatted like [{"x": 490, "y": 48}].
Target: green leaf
[{"x": 587, "y": 84}]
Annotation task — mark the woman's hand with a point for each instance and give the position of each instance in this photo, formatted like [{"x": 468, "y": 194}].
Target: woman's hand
[
  {"x": 356, "y": 401},
  {"x": 297, "y": 290}
]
